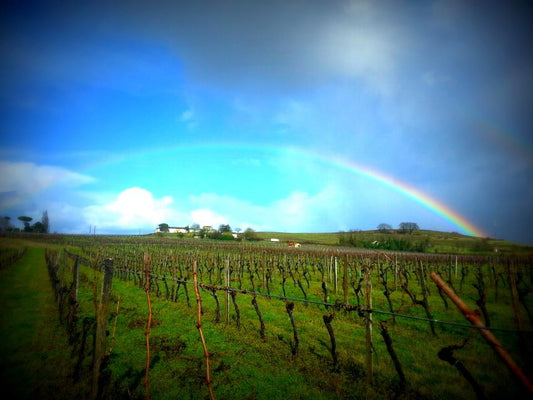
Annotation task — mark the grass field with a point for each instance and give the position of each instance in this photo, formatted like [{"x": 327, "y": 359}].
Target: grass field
[
  {"x": 437, "y": 242},
  {"x": 38, "y": 360}
]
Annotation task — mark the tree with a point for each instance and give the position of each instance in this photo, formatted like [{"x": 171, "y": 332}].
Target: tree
[
  {"x": 408, "y": 227},
  {"x": 195, "y": 227},
  {"x": 5, "y": 224},
  {"x": 26, "y": 221},
  {"x": 38, "y": 227},
  {"x": 224, "y": 228},
  {"x": 46, "y": 222},
  {"x": 163, "y": 227},
  {"x": 384, "y": 228},
  {"x": 249, "y": 234}
]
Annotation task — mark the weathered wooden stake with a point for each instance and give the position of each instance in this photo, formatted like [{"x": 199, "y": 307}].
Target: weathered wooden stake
[
  {"x": 148, "y": 324},
  {"x": 514, "y": 295},
  {"x": 102, "y": 313},
  {"x": 395, "y": 272},
  {"x": 487, "y": 334},
  {"x": 368, "y": 325},
  {"x": 345, "y": 282},
  {"x": 335, "y": 275},
  {"x": 75, "y": 281},
  {"x": 227, "y": 276},
  {"x": 73, "y": 299},
  {"x": 202, "y": 338}
]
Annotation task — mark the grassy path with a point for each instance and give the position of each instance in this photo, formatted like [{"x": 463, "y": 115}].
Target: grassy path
[{"x": 34, "y": 353}]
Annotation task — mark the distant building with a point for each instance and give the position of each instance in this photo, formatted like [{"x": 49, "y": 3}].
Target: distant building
[{"x": 175, "y": 229}]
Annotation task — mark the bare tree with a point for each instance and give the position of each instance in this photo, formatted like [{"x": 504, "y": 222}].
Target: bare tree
[
  {"x": 384, "y": 228},
  {"x": 46, "y": 222},
  {"x": 408, "y": 227}
]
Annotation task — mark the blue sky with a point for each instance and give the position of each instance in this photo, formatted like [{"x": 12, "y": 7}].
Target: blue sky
[{"x": 123, "y": 115}]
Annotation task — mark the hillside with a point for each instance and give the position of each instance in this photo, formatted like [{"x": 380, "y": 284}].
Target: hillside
[{"x": 432, "y": 241}]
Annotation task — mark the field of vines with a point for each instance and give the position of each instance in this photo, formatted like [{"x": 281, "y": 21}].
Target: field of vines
[{"x": 194, "y": 319}]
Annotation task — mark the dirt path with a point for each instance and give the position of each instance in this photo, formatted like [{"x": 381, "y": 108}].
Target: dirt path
[{"x": 34, "y": 352}]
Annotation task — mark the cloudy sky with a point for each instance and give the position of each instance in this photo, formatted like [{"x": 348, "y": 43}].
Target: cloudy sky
[{"x": 277, "y": 115}]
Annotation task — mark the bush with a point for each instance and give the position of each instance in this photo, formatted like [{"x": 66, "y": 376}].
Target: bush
[
  {"x": 226, "y": 236},
  {"x": 249, "y": 234}
]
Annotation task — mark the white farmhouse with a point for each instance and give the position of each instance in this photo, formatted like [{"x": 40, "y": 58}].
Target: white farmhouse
[{"x": 174, "y": 229}]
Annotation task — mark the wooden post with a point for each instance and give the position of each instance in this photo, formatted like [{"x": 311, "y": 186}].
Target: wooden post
[
  {"x": 395, "y": 272},
  {"x": 330, "y": 266},
  {"x": 487, "y": 334},
  {"x": 102, "y": 313},
  {"x": 335, "y": 275},
  {"x": 514, "y": 295},
  {"x": 263, "y": 286},
  {"x": 368, "y": 324},
  {"x": 227, "y": 277},
  {"x": 345, "y": 281},
  {"x": 200, "y": 331},
  {"x": 148, "y": 324},
  {"x": 73, "y": 298},
  {"x": 75, "y": 281}
]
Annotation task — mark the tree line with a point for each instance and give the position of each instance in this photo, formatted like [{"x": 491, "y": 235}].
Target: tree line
[
  {"x": 42, "y": 226},
  {"x": 404, "y": 227},
  {"x": 224, "y": 232},
  {"x": 352, "y": 238}
]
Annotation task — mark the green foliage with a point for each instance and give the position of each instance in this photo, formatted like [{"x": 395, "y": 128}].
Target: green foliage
[
  {"x": 348, "y": 238},
  {"x": 26, "y": 221},
  {"x": 251, "y": 235},
  {"x": 38, "y": 227},
  {"x": 481, "y": 245},
  {"x": 398, "y": 245},
  {"x": 163, "y": 227},
  {"x": 226, "y": 236},
  {"x": 244, "y": 365}
]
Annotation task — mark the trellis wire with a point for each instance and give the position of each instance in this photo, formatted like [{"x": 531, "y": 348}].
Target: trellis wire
[
  {"x": 347, "y": 307},
  {"x": 344, "y": 306}
]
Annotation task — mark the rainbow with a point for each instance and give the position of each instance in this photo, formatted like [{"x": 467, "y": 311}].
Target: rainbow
[
  {"x": 334, "y": 161},
  {"x": 412, "y": 193}
]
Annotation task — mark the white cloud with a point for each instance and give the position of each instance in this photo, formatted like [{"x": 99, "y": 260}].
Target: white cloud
[
  {"x": 25, "y": 177},
  {"x": 18, "y": 180},
  {"x": 363, "y": 43},
  {"x": 203, "y": 217},
  {"x": 299, "y": 211},
  {"x": 134, "y": 208}
]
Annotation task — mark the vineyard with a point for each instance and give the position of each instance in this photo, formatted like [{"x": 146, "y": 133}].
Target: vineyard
[{"x": 194, "y": 319}]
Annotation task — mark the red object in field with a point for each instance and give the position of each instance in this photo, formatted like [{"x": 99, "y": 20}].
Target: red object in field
[{"x": 291, "y": 244}]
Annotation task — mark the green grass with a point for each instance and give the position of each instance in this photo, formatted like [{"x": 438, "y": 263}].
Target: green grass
[
  {"x": 243, "y": 365},
  {"x": 33, "y": 346},
  {"x": 439, "y": 242}
]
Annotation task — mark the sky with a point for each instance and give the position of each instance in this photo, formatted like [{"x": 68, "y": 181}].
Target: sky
[{"x": 290, "y": 116}]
